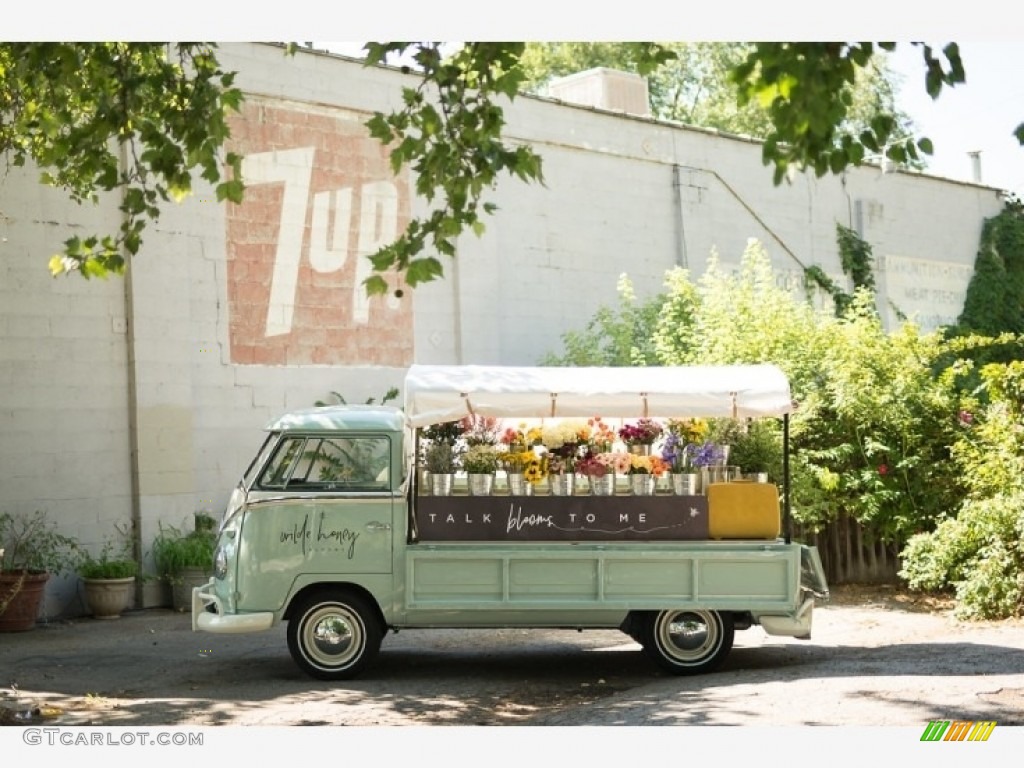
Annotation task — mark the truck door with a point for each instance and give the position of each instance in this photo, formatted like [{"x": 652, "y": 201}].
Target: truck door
[{"x": 323, "y": 504}]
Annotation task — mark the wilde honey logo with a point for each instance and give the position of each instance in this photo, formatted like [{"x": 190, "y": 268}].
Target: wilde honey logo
[{"x": 958, "y": 730}]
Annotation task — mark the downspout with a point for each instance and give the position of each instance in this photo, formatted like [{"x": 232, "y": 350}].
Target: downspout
[
  {"x": 682, "y": 259},
  {"x": 132, "y": 401}
]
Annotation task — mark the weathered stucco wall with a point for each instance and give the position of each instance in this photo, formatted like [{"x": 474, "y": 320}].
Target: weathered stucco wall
[{"x": 143, "y": 398}]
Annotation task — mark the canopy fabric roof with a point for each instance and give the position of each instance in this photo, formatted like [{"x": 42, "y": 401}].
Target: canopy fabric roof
[{"x": 438, "y": 393}]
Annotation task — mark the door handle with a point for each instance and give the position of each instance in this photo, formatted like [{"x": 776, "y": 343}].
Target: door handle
[{"x": 376, "y": 526}]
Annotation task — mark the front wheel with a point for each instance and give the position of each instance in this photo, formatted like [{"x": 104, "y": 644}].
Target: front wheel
[
  {"x": 333, "y": 636},
  {"x": 687, "y": 642}
]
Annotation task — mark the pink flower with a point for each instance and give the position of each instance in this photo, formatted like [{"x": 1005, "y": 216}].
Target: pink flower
[
  {"x": 966, "y": 418},
  {"x": 883, "y": 470}
]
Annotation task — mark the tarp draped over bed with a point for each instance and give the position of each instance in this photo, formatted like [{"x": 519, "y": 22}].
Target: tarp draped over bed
[{"x": 439, "y": 393}]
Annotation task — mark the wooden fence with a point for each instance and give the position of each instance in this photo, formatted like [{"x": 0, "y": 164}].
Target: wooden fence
[{"x": 851, "y": 555}]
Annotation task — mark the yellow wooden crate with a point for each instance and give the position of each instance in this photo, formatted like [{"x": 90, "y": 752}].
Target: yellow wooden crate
[{"x": 743, "y": 510}]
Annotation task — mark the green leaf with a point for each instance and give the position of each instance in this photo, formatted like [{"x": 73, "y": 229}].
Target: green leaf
[
  {"x": 375, "y": 285},
  {"x": 423, "y": 270}
]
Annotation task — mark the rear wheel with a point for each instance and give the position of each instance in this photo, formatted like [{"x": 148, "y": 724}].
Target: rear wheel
[
  {"x": 333, "y": 635},
  {"x": 687, "y": 642}
]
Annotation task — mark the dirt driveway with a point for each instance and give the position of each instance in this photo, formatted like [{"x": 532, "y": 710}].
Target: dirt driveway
[{"x": 877, "y": 657}]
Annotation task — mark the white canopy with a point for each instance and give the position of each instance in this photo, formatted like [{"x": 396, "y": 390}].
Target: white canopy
[{"x": 438, "y": 393}]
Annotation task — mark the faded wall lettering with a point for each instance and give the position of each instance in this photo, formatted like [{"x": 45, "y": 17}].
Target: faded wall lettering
[{"x": 320, "y": 196}]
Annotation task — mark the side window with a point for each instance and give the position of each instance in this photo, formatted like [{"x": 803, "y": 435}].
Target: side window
[
  {"x": 280, "y": 467},
  {"x": 331, "y": 464}
]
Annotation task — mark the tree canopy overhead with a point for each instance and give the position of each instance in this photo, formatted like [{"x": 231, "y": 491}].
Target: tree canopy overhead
[
  {"x": 138, "y": 119},
  {"x": 142, "y": 119}
]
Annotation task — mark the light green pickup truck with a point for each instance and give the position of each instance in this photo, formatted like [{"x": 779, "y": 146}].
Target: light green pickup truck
[{"x": 332, "y": 530}]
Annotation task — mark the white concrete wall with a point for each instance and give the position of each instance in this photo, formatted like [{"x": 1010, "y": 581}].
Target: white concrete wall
[{"x": 177, "y": 362}]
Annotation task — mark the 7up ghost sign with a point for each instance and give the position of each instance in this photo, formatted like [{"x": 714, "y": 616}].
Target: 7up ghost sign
[{"x": 320, "y": 196}]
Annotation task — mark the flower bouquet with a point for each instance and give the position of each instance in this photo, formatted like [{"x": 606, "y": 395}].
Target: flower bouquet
[
  {"x": 524, "y": 469},
  {"x": 602, "y": 437},
  {"x": 599, "y": 469},
  {"x": 479, "y": 430},
  {"x": 447, "y": 432},
  {"x": 647, "y": 465},
  {"x": 688, "y": 430},
  {"x": 643, "y": 473},
  {"x": 676, "y": 453},
  {"x": 521, "y": 438},
  {"x": 705, "y": 455},
  {"x": 644, "y": 432}
]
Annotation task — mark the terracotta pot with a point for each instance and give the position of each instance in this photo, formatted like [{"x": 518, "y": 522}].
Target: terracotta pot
[{"x": 21, "y": 594}]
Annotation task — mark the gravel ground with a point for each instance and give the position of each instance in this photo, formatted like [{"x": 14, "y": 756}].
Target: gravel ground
[{"x": 877, "y": 657}]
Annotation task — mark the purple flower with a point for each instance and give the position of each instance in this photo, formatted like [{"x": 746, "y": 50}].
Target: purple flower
[{"x": 705, "y": 455}]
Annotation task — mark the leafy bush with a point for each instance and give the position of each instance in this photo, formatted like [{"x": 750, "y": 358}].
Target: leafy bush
[
  {"x": 980, "y": 554},
  {"x": 113, "y": 562},
  {"x": 174, "y": 550},
  {"x": 31, "y": 543}
]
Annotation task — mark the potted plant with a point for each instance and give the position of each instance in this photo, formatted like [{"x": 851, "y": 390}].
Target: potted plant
[
  {"x": 639, "y": 437},
  {"x": 31, "y": 550},
  {"x": 184, "y": 560},
  {"x": 109, "y": 579},
  {"x": 480, "y": 462},
  {"x": 758, "y": 451},
  {"x": 440, "y": 459}
]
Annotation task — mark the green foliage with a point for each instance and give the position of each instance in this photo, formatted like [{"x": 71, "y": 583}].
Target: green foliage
[
  {"x": 115, "y": 560},
  {"x": 980, "y": 554},
  {"x": 980, "y": 551},
  {"x": 448, "y": 132},
  {"x": 480, "y": 459},
  {"x": 995, "y": 296},
  {"x": 881, "y": 429},
  {"x": 805, "y": 86},
  {"x": 676, "y": 327},
  {"x": 31, "y": 543},
  {"x": 614, "y": 336},
  {"x": 856, "y": 262},
  {"x": 440, "y": 458},
  {"x": 391, "y": 394},
  {"x": 110, "y": 564},
  {"x": 693, "y": 83},
  {"x": 174, "y": 550},
  {"x": 745, "y": 316},
  {"x": 758, "y": 448},
  {"x": 445, "y": 432},
  {"x": 136, "y": 118}
]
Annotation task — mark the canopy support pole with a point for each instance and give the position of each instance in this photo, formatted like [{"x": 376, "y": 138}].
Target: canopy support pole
[{"x": 787, "y": 521}]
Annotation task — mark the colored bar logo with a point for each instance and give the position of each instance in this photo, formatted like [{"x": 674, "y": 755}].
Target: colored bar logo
[{"x": 958, "y": 730}]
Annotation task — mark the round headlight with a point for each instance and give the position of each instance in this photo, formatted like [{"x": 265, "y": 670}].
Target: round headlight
[{"x": 220, "y": 563}]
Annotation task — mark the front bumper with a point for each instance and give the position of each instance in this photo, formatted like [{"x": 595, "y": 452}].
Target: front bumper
[{"x": 208, "y": 614}]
